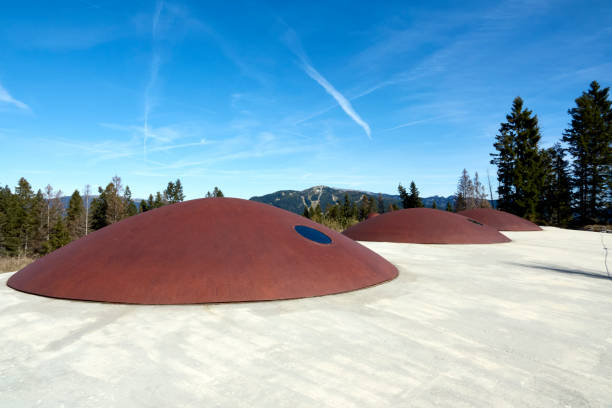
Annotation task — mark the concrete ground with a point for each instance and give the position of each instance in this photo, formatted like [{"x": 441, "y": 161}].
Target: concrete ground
[{"x": 522, "y": 324}]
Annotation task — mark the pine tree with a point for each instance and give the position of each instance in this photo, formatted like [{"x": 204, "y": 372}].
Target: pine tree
[
  {"x": 129, "y": 205},
  {"x": 143, "y": 206},
  {"x": 372, "y": 206},
  {"x": 75, "y": 216},
  {"x": 381, "y": 204},
  {"x": 333, "y": 212},
  {"x": 404, "y": 198},
  {"x": 589, "y": 139},
  {"x": 115, "y": 203},
  {"x": 4, "y": 198},
  {"x": 98, "y": 210},
  {"x": 519, "y": 162},
  {"x": 10, "y": 234},
  {"x": 434, "y": 205},
  {"x": 24, "y": 219},
  {"x": 38, "y": 211},
  {"x": 367, "y": 206},
  {"x": 346, "y": 210},
  {"x": 59, "y": 235},
  {"x": 215, "y": 193},
  {"x": 179, "y": 196},
  {"x": 555, "y": 208},
  {"x": 318, "y": 213},
  {"x": 116, "y": 206},
  {"x": 150, "y": 202},
  {"x": 413, "y": 199},
  {"x": 505, "y": 159},
  {"x": 174, "y": 192},
  {"x": 158, "y": 201},
  {"x": 169, "y": 193},
  {"x": 449, "y": 207}
]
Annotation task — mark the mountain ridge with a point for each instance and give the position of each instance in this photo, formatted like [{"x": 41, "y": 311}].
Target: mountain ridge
[{"x": 296, "y": 200}]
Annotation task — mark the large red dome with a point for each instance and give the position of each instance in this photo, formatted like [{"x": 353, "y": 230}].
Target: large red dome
[
  {"x": 500, "y": 220},
  {"x": 424, "y": 226},
  {"x": 206, "y": 250}
]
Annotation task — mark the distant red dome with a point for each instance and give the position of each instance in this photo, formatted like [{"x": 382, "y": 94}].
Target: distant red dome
[
  {"x": 424, "y": 226},
  {"x": 206, "y": 250},
  {"x": 372, "y": 215},
  {"x": 500, "y": 220}
]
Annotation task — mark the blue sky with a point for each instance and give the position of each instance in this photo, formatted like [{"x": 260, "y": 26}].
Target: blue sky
[{"x": 258, "y": 97}]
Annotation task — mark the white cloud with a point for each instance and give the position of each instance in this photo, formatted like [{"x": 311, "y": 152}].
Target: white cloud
[{"x": 7, "y": 98}]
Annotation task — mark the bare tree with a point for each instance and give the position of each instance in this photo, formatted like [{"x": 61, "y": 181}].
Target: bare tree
[
  {"x": 86, "y": 193},
  {"x": 54, "y": 207},
  {"x": 490, "y": 188},
  {"x": 48, "y": 195},
  {"x": 480, "y": 194},
  {"x": 465, "y": 192},
  {"x": 470, "y": 193},
  {"x": 116, "y": 204}
]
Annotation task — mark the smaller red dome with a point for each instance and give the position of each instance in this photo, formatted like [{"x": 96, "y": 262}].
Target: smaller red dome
[
  {"x": 424, "y": 226},
  {"x": 500, "y": 220}
]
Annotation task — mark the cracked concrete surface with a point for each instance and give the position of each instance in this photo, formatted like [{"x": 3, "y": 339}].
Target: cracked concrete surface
[{"x": 521, "y": 324}]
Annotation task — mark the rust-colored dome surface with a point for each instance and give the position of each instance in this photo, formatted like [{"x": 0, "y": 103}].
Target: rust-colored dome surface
[
  {"x": 206, "y": 250},
  {"x": 424, "y": 226},
  {"x": 500, "y": 220}
]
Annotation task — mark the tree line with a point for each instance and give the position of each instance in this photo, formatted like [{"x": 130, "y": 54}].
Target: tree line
[
  {"x": 342, "y": 215},
  {"x": 33, "y": 224},
  {"x": 568, "y": 184},
  {"x": 471, "y": 193}
]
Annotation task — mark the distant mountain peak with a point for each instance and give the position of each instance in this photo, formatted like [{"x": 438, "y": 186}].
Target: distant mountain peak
[{"x": 295, "y": 201}]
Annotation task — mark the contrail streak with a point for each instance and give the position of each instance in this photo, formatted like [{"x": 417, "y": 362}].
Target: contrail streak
[
  {"x": 295, "y": 46},
  {"x": 342, "y": 101},
  {"x": 154, "y": 70}
]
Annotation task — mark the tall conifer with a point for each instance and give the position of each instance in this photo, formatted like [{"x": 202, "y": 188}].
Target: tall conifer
[
  {"x": 381, "y": 204},
  {"x": 414, "y": 201},
  {"x": 555, "y": 204},
  {"x": 75, "y": 215},
  {"x": 403, "y": 194},
  {"x": 519, "y": 162},
  {"x": 589, "y": 138},
  {"x": 129, "y": 205}
]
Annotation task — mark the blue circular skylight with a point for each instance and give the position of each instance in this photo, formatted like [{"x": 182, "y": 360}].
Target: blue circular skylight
[{"x": 312, "y": 234}]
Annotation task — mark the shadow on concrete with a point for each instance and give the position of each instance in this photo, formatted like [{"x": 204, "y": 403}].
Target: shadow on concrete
[{"x": 563, "y": 270}]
